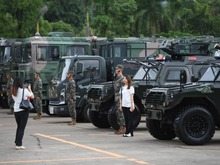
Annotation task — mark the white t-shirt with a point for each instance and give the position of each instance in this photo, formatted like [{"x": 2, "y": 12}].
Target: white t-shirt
[
  {"x": 126, "y": 96},
  {"x": 17, "y": 99}
]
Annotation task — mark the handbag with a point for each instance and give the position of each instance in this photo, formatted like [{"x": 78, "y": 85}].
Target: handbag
[{"x": 25, "y": 104}]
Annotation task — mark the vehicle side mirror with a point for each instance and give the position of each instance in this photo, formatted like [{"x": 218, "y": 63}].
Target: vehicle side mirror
[{"x": 183, "y": 77}]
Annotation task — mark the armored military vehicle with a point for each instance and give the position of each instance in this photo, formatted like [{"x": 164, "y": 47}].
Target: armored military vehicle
[
  {"x": 182, "y": 56},
  {"x": 189, "y": 111}
]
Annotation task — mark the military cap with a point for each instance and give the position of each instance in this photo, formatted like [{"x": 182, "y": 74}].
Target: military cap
[
  {"x": 38, "y": 73},
  {"x": 70, "y": 72},
  {"x": 119, "y": 67}
]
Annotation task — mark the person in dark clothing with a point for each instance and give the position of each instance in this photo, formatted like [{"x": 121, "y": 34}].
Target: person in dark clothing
[
  {"x": 21, "y": 115},
  {"x": 127, "y": 105}
]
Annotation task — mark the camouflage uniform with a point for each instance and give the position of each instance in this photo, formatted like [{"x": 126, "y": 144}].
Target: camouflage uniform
[
  {"x": 117, "y": 86},
  {"x": 10, "y": 100},
  {"x": 71, "y": 94},
  {"x": 37, "y": 90}
]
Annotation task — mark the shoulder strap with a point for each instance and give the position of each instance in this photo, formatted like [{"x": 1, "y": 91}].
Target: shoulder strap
[{"x": 22, "y": 95}]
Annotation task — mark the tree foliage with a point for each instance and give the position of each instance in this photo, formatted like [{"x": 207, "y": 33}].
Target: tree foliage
[{"x": 118, "y": 18}]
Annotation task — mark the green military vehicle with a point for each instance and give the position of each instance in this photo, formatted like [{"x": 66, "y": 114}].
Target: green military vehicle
[
  {"x": 184, "y": 56},
  {"x": 42, "y": 54},
  {"x": 88, "y": 70},
  {"x": 112, "y": 51},
  {"x": 189, "y": 111}
]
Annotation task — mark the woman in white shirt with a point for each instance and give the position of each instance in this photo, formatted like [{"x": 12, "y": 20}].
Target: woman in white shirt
[
  {"x": 127, "y": 105},
  {"x": 21, "y": 115}
]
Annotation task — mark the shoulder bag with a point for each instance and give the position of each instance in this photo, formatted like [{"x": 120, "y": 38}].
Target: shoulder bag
[{"x": 25, "y": 104}]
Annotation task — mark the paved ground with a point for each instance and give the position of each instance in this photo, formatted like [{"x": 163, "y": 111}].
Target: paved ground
[{"x": 51, "y": 141}]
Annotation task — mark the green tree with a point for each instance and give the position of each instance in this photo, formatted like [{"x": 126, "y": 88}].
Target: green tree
[
  {"x": 148, "y": 17},
  {"x": 22, "y": 15},
  {"x": 67, "y": 11}
]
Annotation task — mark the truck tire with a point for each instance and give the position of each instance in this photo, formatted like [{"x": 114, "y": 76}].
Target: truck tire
[
  {"x": 195, "y": 126},
  {"x": 114, "y": 123},
  {"x": 160, "y": 132},
  {"x": 4, "y": 101},
  {"x": 85, "y": 113},
  {"x": 99, "y": 120}
]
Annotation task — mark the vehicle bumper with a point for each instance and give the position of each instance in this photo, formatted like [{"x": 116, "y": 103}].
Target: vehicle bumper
[
  {"x": 58, "y": 109},
  {"x": 154, "y": 114},
  {"x": 94, "y": 106}
]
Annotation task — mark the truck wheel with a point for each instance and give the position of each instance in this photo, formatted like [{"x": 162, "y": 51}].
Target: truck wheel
[
  {"x": 112, "y": 118},
  {"x": 160, "y": 131},
  {"x": 99, "y": 120},
  {"x": 195, "y": 126},
  {"x": 4, "y": 101},
  {"x": 85, "y": 113}
]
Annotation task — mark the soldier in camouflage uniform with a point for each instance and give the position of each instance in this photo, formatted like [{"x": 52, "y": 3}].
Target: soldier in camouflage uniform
[
  {"x": 71, "y": 97},
  {"x": 9, "y": 87},
  {"x": 37, "y": 90},
  {"x": 117, "y": 86}
]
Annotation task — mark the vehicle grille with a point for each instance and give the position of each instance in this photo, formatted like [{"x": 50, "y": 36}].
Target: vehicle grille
[
  {"x": 94, "y": 93},
  {"x": 155, "y": 98}
]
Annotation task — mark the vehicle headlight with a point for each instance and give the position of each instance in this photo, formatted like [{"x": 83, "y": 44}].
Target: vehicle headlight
[{"x": 62, "y": 95}]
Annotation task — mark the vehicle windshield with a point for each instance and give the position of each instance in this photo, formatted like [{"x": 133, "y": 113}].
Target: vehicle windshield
[
  {"x": 4, "y": 54},
  {"x": 210, "y": 74},
  {"x": 62, "y": 69},
  {"x": 143, "y": 73}
]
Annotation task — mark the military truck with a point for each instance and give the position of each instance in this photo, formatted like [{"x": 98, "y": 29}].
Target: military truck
[
  {"x": 42, "y": 54},
  {"x": 182, "y": 56},
  {"x": 88, "y": 70},
  {"x": 189, "y": 111}
]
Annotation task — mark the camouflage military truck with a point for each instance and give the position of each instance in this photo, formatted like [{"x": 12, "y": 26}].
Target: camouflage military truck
[
  {"x": 189, "y": 111},
  {"x": 182, "y": 56},
  {"x": 41, "y": 54},
  {"x": 88, "y": 70}
]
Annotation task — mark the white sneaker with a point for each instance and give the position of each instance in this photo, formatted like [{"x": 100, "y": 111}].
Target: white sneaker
[{"x": 19, "y": 147}]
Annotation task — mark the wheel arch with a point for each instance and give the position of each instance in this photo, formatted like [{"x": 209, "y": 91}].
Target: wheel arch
[{"x": 190, "y": 101}]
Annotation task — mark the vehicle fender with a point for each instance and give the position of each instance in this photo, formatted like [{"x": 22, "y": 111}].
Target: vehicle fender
[{"x": 81, "y": 103}]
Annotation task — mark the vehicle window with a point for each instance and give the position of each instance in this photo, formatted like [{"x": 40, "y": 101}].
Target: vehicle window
[
  {"x": 48, "y": 53},
  {"x": 26, "y": 53},
  {"x": 75, "y": 50},
  {"x": 210, "y": 74},
  {"x": 7, "y": 54},
  {"x": 117, "y": 50},
  {"x": 42, "y": 54},
  {"x": 62, "y": 69},
  {"x": 90, "y": 67},
  {"x": 1, "y": 54},
  {"x": 141, "y": 74},
  {"x": 173, "y": 75}
]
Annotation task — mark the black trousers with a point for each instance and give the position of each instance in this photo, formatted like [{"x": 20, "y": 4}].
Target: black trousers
[
  {"x": 21, "y": 120},
  {"x": 129, "y": 120}
]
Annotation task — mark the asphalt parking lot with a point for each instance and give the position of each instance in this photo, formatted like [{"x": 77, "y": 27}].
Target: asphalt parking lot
[{"x": 50, "y": 141}]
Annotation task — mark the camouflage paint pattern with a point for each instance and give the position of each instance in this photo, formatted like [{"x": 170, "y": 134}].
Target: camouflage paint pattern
[
  {"x": 33, "y": 49},
  {"x": 71, "y": 97},
  {"x": 37, "y": 90},
  {"x": 10, "y": 99},
  {"x": 117, "y": 87}
]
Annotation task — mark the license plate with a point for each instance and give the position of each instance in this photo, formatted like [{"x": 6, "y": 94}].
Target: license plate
[{"x": 51, "y": 110}]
